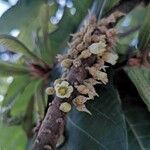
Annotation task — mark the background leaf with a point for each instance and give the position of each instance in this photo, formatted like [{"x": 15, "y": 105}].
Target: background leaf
[
  {"x": 15, "y": 88},
  {"x": 22, "y": 101},
  {"x": 141, "y": 79},
  {"x": 7, "y": 69},
  {"x": 25, "y": 10},
  {"x": 144, "y": 34},
  {"x": 136, "y": 113},
  {"x": 10, "y": 138},
  {"x": 13, "y": 44},
  {"x": 105, "y": 129}
]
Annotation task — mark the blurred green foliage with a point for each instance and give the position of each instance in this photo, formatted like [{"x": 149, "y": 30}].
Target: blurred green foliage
[{"x": 38, "y": 43}]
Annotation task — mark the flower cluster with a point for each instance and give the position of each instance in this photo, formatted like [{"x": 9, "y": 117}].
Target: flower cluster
[
  {"x": 61, "y": 88},
  {"x": 95, "y": 40}
]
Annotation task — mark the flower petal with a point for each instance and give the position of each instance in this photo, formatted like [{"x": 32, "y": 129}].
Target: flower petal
[
  {"x": 64, "y": 83},
  {"x": 83, "y": 108}
]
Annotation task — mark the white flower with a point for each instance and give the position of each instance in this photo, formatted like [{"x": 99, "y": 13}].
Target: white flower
[
  {"x": 57, "y": 81},
  {"x": 98, "y": 48},
  {"x": 110, "y": 57},
  {"x": 63, "y": 90},
  {"x": 65, "y": 107}
]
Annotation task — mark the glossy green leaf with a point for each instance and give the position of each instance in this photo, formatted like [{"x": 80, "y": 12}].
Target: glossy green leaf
[
  {"x": 105, "y": 129},
  {"x": 22, "y": 101},
  {"x": 19, "y": 15},
  {"x": 7, "y": 69},
  {"x": 45, "y": 28},
  {"x": 12, "y": 138},
  {"x": 14, "y": 89},
  {"x": 40, "y": 102},
  {"x": 127, "y": 25},
  {"x": 27, "y": 122},
  {"x": 13, "y": 44},
  {"x": 110, "y": 4},
  {"x": 144, "y": 34},
  {"x": 141, "y": 79},
  {"x": 138, "y": 121}
]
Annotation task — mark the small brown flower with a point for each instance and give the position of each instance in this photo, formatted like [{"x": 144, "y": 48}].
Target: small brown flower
[
  {"x": 60, "y": 57},
  {"x": 85, "y": 54},
  {"x": 77, "y": 62},
  {"x": 110, "y": 57},
  {"x": 91, "y": 81},
  {"x": 98, "y": 48},
  {"x": 66, "y": 63},
  {"x": 98, "y": 75},
  {"x": 79, "y": 102},
  {"x": 87, "y": 90}
]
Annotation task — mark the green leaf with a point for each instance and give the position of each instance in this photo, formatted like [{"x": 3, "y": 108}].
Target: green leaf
[
  {"x": 22, "y": 101},
  {"x": 138, "y": 122},
  {"x": 130, "y": 22},
  {"x": 144, "y": 34},
  {"x": 13, "y": 44},
  {"x": 141, "y": 79},
  {"x": 7, "y": 69},
  {"x": 25, "y": 10},
  {"x": 45, "y": 28},
  {"x": 109, "y": 4},
  {"x": 27, "y": 123},
  {"x": 12, "y": 138},
  {"x": 40, "y": 102},
  {"x": 14, "y": 89},
  {"x": 105, "y": 129}
]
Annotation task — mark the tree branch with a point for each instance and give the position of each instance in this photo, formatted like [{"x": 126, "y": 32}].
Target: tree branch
[{"x": 53, "y": 124}]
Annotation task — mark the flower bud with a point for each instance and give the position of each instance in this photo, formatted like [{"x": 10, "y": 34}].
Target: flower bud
[
  {"x": 110, "y": 58},
  {"x": 66, "y": 63},
  {"x": 65, "y": 107},
  {"x": 50, "y": 91},
  {"x": 97, "y": 48}
]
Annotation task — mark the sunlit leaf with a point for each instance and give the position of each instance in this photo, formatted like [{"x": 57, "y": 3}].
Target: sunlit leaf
[
  {"x": 109, "y": 4},
  {"x": 19, "y": 15},
  {"x": 40, "y": 101},
  {"x": 141, "y": 79},
  {"x": 8, "y": 69},
  {"x": 128, "y": 23},
  {"x": 13, "y": 44},
  {"x": 144, "y": 34},
  {"x": 22, "y": 101},
  {"x": 15, "y": 88},
  {"x": 12, "y": 138}
]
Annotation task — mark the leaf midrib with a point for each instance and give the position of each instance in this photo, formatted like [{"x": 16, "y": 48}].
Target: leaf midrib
[{"x": 135, "y": 134}]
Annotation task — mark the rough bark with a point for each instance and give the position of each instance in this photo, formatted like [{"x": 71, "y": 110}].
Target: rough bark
[
  {"x": 51, "y": 128},
  {"x": 53, "y": 124}
]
